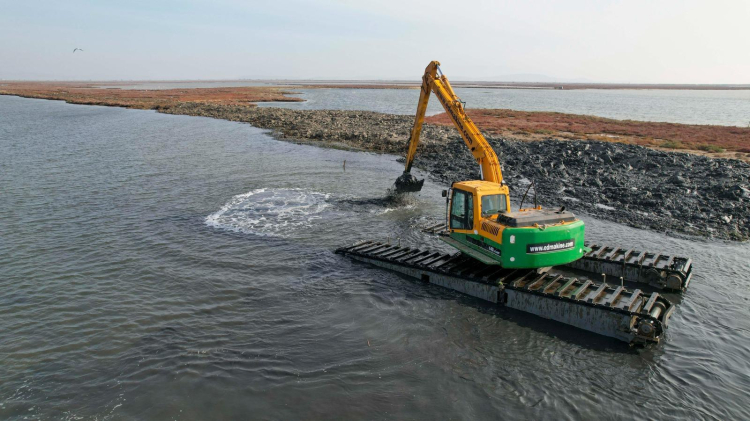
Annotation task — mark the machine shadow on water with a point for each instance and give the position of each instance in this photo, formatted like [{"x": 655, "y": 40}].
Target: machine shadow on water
[{"x": 391, "y": 200}]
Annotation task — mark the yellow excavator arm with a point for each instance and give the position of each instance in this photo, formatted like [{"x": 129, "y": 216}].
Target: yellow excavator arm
[
  {"x": 479, "y": 222},
  {"x": 434, "y": 81}
]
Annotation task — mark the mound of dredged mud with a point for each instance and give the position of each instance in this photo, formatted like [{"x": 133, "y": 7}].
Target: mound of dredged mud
[
  {"x": 664, "y": 191},
  {"x": 674, "y": 192}
]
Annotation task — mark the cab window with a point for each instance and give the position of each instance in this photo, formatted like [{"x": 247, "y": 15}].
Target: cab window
[
  {"x": 493, "y": 204},
  {"x": 462, "y": 210}
]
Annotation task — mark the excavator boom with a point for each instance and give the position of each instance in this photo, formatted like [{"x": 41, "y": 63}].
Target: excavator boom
[{"x": 435, "y": 82}]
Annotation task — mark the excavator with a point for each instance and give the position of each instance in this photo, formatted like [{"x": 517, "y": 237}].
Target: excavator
[
  {"x": 523, "y": 259},
  {"x": 480, "y": 222}
]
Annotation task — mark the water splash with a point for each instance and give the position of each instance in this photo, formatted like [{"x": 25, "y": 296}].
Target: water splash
[{"x": 270, "y": 211}]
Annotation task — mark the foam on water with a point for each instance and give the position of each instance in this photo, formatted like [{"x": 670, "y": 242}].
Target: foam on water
[
  {"x": 278, "y": 212},
  {"x": 270, "y": 211}
]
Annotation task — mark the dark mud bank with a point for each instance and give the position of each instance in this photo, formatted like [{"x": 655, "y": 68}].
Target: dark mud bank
[{"x": 676, "y": 193}]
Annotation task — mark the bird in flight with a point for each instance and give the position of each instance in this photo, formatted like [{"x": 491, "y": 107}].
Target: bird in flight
[{"x": 77, "y": 49}]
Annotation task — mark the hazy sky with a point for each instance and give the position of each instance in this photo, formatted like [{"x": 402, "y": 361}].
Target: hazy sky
[{"x": 669, "y": 41}]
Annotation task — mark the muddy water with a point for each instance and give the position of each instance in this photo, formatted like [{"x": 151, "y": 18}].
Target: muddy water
[
  {"x": 724, "y": 108},
  {"x": 170, "y": 267}
]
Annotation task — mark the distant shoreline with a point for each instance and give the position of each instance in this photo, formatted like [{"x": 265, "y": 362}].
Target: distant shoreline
[
  {"x": 711, "y": 140},
  {"x": 394, "y": 84}
]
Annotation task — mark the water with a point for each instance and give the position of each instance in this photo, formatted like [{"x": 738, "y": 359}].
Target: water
[
  {"x": 726, "y": 108},
  {"x": 170, "y": 267}
]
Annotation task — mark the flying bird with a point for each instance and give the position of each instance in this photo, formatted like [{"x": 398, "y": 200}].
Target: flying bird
[{"x": 76, "y": 49}]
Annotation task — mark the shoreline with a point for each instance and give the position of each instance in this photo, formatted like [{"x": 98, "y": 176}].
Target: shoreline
[
  {"x": 94, "y": 94},
  {"x": 711, "y": 140},
  {"x": 411, "y": 84},
  {"x": 677, "y": 193}
]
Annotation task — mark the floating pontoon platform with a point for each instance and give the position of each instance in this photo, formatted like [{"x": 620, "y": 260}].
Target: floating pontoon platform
[
  {"x": 662, "y": 271},
  {"x": 658, "y": 270},
  {"x": 632, "y": 316}
]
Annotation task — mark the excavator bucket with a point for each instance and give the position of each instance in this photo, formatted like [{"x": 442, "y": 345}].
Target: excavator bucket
[{"x": 408, "y": 183}]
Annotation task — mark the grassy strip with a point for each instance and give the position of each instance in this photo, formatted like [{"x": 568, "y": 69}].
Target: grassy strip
[
  {"x": 92, "y": 94},
  {"x": 707, "y": 138}
]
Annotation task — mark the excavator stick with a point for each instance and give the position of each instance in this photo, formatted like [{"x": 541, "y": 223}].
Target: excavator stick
[
  {"x": 433, "y": 81},
  {"x": 408, "y": 183}
]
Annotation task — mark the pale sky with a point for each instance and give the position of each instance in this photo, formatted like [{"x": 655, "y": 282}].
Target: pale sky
[{"x": 669, "y": 41}]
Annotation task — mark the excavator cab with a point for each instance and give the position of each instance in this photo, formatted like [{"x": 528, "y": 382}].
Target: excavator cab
[{"x": 482, "y": 225}]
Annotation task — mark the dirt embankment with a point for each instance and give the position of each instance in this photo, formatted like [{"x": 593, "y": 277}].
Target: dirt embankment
[
  {"x": 96, "y": 94},
  {"x": 664, "y": 191},
  {"x": 720, "y": 141}
]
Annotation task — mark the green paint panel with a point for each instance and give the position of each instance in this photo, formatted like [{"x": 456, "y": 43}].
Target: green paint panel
[
  {"x": 472, "y": 251},
  {"x": 530, "y": 247},
  {"x": 549, "y": 246}
]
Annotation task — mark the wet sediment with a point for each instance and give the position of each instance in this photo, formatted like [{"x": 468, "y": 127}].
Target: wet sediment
[{"x": 670, "y": 192}]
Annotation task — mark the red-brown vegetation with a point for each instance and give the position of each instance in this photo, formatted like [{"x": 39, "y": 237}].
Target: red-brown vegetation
[
  {"x": 536, "y": 125},
  {"x": 357, "y": 86},
  {"x": 96, "y": 94}
]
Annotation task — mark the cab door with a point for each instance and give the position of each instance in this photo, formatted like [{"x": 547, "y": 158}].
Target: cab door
[{"x": 462, "y": 210}]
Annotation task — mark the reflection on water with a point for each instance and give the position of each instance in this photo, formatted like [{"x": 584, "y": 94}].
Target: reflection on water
[{"x": 168, "y": 267}]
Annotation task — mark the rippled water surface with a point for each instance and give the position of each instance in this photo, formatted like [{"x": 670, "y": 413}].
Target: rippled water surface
[
  {"x": 170, "y": 267},
  {"x": 725, "y": 108}
]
